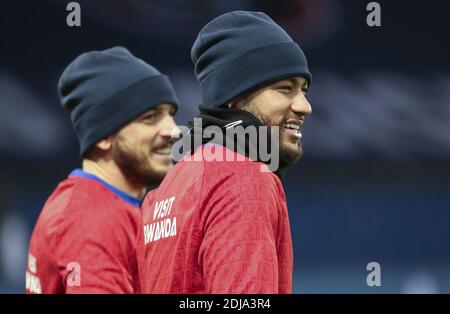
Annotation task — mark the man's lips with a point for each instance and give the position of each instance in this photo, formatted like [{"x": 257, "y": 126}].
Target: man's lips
[
  {"x": 164, "y": 151},
  {"x": 293, "y": 127}
]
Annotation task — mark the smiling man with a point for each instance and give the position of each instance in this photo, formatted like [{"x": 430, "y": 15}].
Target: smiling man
[
  {"x": 122, "y": 112},
  {"x": 232, "y": 230}
]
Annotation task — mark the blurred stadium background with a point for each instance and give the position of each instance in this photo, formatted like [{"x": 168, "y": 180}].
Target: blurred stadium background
[{"x": 374, "y": 184}]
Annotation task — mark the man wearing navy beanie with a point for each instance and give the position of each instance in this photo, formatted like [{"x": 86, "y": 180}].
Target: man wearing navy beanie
[
  {"x": 231, "y": 213},
  {"x": 122, "y": 112}
]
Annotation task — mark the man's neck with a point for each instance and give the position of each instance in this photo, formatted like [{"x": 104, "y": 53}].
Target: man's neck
[{"x": 111, "y": 173}]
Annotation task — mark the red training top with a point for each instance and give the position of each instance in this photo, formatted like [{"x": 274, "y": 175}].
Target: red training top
[
  {"x": 85, "y": 240},
  {"x": 216, "y": 227}
]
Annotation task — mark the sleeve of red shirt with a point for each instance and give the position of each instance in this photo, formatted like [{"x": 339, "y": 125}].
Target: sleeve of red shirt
[
  {"x": 238, "y": 251},
  {"x": 97, "y": 241}
]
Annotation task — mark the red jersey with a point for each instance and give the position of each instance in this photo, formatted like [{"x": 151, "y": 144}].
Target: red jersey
[
  {"x": 216, "y": 227},
  {"x": 85, "y": 240}
]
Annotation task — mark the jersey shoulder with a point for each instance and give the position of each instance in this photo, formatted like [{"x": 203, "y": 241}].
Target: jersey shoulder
[
  {"x": 84, "y": 204},
  {"x": 222, "y": 163}
]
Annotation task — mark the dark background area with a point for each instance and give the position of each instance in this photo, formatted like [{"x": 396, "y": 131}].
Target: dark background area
[{"x": 374, "y": 183}]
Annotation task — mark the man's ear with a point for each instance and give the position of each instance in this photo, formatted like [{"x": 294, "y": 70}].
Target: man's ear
[
  {"x": 239, "y": 101},
  {"x": 105, "y": 144}
]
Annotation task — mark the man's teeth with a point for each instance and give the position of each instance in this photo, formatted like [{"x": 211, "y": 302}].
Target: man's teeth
[
  {"x": 292, "y": 126},
  {"x": 164, "y": 151}
]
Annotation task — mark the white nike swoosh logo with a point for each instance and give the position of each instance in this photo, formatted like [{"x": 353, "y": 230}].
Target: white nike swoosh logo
[{"x": 232, "y": 124}]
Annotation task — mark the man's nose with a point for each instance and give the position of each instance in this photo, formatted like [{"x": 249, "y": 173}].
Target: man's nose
[
  {"x": 301, "y": 105},
  {"x": 169, "y": 128}
]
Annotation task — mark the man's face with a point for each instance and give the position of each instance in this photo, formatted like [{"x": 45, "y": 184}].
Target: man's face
[
  {"x": 282, "y": 104},
  {"x": 142, "y": 148}
]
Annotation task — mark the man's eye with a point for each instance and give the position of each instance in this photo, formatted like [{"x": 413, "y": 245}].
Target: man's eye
[
  {"x": 285, "y": 89},
  {"x": 149, "y": 117}
]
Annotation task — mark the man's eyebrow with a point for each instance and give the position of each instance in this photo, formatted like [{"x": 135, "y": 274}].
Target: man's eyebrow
[
  {"x": 295, "y": 81},
  {"x": 299, "y": 82},
  {"x": 145, "y": 114}
]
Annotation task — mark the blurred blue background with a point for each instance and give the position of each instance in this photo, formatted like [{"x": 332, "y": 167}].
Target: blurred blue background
[{"x": 374, "y": 183}]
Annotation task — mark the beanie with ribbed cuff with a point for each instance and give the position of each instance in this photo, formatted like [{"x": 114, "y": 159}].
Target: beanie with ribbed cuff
[
  {"x": 105, "y": 90},
  {"x": 239, "y": 51}
]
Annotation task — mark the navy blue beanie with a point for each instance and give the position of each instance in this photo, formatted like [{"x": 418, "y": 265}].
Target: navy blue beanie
[
  {"x": 241, "y": 50},
  {"x": 104, "y": 90}
]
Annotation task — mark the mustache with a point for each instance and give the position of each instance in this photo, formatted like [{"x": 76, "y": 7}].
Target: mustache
[{"x": 165, "y": 144}]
